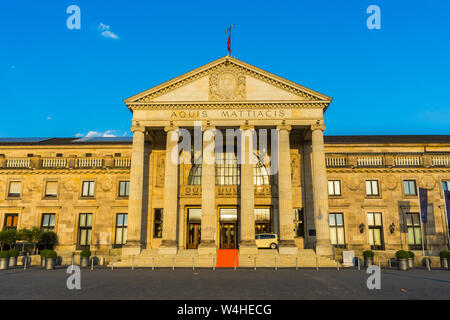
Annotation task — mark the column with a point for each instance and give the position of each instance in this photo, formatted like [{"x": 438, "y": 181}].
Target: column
[
  {"x": 169, "y": 241},
  {"x": 134, "y": 245},
  {"x": 209, "y": 216},
  {"x": 286, "y": 212},
  {"x": 320, "y": 193},
  {"x": 247, "y": 194}
]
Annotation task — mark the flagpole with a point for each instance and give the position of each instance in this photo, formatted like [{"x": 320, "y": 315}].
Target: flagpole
[{"x": 421, "y": 224}]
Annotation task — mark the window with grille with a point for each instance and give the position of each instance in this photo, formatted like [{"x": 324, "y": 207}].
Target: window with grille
[
  {"x": 334, "y": 187},
  {"x": 88, "y": 189},
  {"x": 51, "y": 189},
  {"x": 85, "y": 230},
  {"x": 375, "y": 223},
  {"x": 124, "y": 188},
  {"x": 372, "y": 188},
  {"x": 298, "y": 222},
  {"x": 409, "y": 187},
  {"x": 337, "y": 235},
  {"x": 48, "y": 222},
  {"x": 414, "y": 231},
  {"x": 14, "y": 189},
  {"x": 121, "y": 229},
  {"x": 11, "y": 221}
]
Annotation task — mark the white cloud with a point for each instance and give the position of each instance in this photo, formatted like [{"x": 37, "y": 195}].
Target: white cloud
[
  {"x": 105, "y": 32},
  {"x": 90, "y": 134}
]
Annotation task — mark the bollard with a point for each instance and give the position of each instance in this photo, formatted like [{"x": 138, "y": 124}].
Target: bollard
[
  {"x": 214, "y": 263},
  {"x": 428, "y": 264},
  {"x": 254, "y": 263},
  {"x": 389, "y": 263},
  {"x": 73, "y": 254},
  {"x": 92, "y": 263},
  {"x": 25, "y": 262},
  {"x": 337, "y": 264},
  {"x": 153, "y": 264},
  {"x": 359, "y": 265},
  {"x": 276, "y": 265},
  {"x": 193, "y": 264},
  {"x": 379, "y": 263},
  {"x": 112, "y": 264},
  {"x": 317, "y": 263},
  {"x": 173, "y": 263},
  {"x": 235, "y": 263},
  {"x": 296, "y": 263},
  {"x": 132, "y": 262}
]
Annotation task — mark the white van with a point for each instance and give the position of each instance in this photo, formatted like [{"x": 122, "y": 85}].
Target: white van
[{"x": 267, "y": 240}]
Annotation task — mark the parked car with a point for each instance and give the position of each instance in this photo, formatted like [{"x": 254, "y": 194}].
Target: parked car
[{"x": 267, "y": 240}]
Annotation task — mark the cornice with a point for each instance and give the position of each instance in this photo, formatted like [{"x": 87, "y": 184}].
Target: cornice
[
  {"x": 63, "y": 171},
  {"x": 230, "y": 105}
]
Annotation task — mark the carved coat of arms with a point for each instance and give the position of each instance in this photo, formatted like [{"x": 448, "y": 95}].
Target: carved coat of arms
[{"x": 227, "y": 83}]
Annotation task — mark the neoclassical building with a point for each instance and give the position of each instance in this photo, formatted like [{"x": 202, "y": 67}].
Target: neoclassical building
[{"x": 218, "y": 156}]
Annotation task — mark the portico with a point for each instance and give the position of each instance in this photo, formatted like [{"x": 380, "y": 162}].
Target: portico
[{"x": 234, "y": 185}]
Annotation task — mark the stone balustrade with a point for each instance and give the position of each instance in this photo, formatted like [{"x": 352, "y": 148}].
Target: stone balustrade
[
  {"x": 122, "y": 162},
  {"x": 89, "y": 162},
  {"x": 440, "y": 160},
  {"x": 408, "y": 161},
  {"x": 336, "y": 161},
  {"x": 18, "y": 163},
  {"x": 54, "y": 163}
]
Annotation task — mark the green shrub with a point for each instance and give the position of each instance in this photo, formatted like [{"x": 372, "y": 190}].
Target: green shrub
[
  {"x": 43, "y": 253},
  {"x": 4, "y": 254},
  {"x": 402, "y": 254},
  {"x": 368, "y": 254},
  {"x": 86, "y": 253},
  {"x": 51, "y": 254},
  {"x": 14, "y": 253},
  {"x": 48, "y": 239},
  {"x": 411, "y": 254},
  {"x": 443, "y": 254}
]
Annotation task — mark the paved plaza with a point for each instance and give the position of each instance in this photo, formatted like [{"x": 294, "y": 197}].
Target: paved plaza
[{"x": 103, "y": 283}]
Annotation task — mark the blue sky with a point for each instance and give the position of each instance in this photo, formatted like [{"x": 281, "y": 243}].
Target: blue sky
[{"x": 61, "y": 83}]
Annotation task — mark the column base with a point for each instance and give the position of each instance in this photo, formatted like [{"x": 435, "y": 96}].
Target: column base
[
  {"x": 248, "y": 247},
  {"x": 288, "y": 247},
  {"x": 168, "y": 247},
  {"x": 132, "y": 248},
  {"x": 324, "y": 248},
  {"x": 207, "y": 247}
]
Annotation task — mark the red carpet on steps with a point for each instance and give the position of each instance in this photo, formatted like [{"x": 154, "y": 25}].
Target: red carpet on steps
[{"x": 225, "y": 258}]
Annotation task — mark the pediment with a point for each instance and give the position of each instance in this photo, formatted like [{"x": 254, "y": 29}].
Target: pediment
[{"x": 227, "y": 79}]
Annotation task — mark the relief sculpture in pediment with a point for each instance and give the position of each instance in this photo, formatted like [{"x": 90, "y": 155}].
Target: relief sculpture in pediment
[{"x": 227, "y": 83}]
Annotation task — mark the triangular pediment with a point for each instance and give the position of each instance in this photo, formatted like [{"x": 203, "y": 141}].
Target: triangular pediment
[{"x": 227, "y": 79}]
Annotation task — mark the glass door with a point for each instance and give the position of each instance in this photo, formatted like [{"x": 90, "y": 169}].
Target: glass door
[
  {"x": 228, "y": 236},
  {"x": 194, "y": 226}
]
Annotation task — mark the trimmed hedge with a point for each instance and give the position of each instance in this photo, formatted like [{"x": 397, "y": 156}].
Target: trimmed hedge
[
  {"x": 411, "y": 254},
  {"x": 14, "y": 253},
  {"x": 43, "y": 253},
  {"x": 368, "y": 254},
  {"x": 50, "y": 254},
  {"x": 4, "y": 254},
  {"x": 402, "y": 254},
  {"x": 86, "y": 253}
]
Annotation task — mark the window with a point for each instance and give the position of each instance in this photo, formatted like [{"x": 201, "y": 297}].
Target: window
[
  {"x": 85, "y": 231},
  {"x": 88, "y": 189},
  {"x": 298, "y": 222},
  {"x": 414, "y": 231},
  {"x": 260, "y": 174},
  {"x": 158, "y": 223},
  {"x": 228, "y": 172},
  {"x": 409, "y": 187},
  {"x": 11, "y": 221},
  {"x": 51, "y": 189},
  {"x": 334, "y": 187},
  {"x": 124, "y": 188},
  {"x": 262, "y": 220},
  {"x": 121, "y": 229},
  {"x": 336, "y": 221},
  {"x": 375, "y": 230},
  {"x": 48, "y": 222},
  {"x": 446, "y": 185},
  {"x": 372, "y": 188},
  {"x": 14, "y": 189}
]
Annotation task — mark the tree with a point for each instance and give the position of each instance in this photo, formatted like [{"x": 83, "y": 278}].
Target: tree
[
  {"x": 25, "y": 235},
  {"x": 35, "y": 237},
  {"x": 3, "y": 239},
  {"x": 10, "y": 237},
  {"x": 48, "y": 239}
]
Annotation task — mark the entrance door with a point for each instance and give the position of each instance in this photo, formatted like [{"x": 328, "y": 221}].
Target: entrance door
[
  {"x": 228, "y": 236},
  {"x": 194, "y": 235}
]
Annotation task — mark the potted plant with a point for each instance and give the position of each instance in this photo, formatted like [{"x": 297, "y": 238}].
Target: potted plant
[
  {"x": 84, "y": 258},
  {"x": 444, "y": 261},
  {"x": 368, "y": 258},
  {"x": 48, "y": 239},
  {"x": 4, "y": 260},
  {"x": 402, "y": 258},
  {"x": 13, "y": 254},
  {"x": 50, "y": 259},
  {"x": 43, "y": 254},
  {"x": 411, "y": 260}
]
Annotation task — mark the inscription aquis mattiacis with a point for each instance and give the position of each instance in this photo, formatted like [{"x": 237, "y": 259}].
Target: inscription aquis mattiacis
[{"x": 231, "y": 114}]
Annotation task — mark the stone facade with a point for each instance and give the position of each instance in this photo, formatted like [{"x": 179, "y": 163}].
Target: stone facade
[{"x": 227, "y": 93}]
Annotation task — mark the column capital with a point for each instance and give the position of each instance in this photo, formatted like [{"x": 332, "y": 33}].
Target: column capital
[
  {"x": 137, "y": 128},
  {"x": 246, "y": 126},
  {"x": 170, "y": 128},
  {"x": 208, "y": 126},
  {"x": 286, "y": 127},
  {"x": 318, "y": 126}
]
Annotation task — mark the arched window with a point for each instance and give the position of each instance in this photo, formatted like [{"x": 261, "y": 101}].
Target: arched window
[{"x": 228, "y": 171}]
